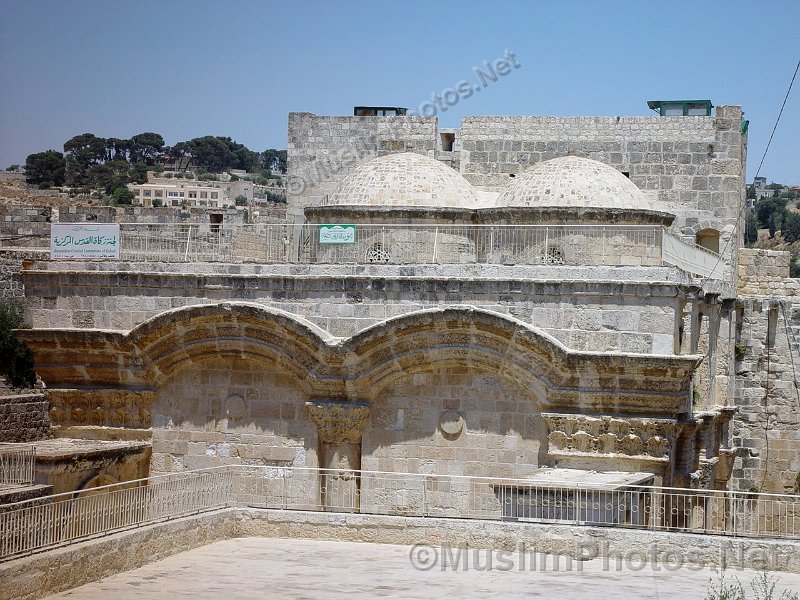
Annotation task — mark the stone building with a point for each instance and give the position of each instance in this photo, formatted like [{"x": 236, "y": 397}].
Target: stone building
[{"x": 507, "y": 299}]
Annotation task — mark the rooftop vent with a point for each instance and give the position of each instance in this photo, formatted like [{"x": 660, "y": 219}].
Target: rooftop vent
[
  {"x": 681, "y": 108},
  {"x": 378, "y": 111}
]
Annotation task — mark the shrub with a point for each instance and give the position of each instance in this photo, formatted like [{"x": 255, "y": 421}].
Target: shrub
[
  {"x": 275, "y": 197},
  {"x": 16, "y": 359},
  {"x": 240, "y": 200},
  {"x": 157, "y": 203}
]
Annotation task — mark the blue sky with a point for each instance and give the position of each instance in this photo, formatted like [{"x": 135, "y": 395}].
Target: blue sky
[{"x": 191, "y": 68}]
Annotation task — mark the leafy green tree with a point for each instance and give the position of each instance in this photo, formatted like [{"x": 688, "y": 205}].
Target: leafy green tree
[
  {"x": 16, "y": 359},
  {"x": 157, "y": 203},
  {"x": 273, "y": 160},
  {"x": 794, "y": 267},
  {"x": 122, "y": 195},
  {"x": 275, "y": 197},
  {"x": 146, "y": 147},
  {"x": 240, "y": 200},
  {"x": 14, "y": 168},
  {"x": 138, "y": 172},
  {"x": 46, "y": 167},
  {"x": 791, "y": 227},
  {"x": 117, "y": 149},
  {"x": 82, "y": 152},
  {"x": 767, "y": 209},
  {"x": 216, "y": 154}
]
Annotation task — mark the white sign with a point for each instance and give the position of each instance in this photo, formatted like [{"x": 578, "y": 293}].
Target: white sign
[
  {"x": 337, "y": 234},
  {"x": 84, "y": 240}
]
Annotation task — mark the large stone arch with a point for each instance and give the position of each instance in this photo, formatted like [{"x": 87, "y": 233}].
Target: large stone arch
[
  {"x": 175, "y": 338},
  {"x": 231, "y": 381},
  {"x": 581, "y": 396},
  {"x": 489, "y": 342}
]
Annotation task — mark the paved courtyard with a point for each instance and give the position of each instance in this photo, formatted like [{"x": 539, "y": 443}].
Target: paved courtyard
[{"x": 305, "y": 569}]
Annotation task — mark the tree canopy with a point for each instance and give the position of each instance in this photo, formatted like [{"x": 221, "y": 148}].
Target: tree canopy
[
  {"x": 94, "y": 162},
  {"x": 46, "y": 167}
]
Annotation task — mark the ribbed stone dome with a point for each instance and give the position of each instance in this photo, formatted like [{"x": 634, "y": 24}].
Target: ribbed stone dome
[
  {"x": 571, "y": 181},
  {"x": 405, "y": 179}
]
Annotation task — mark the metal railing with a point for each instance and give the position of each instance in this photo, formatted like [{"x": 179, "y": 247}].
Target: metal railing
[
  {"x": 409, "y": 494},
  {"x": 395, "y": 243},
  {"x": 67, "y": 518},
  {"x": 17, "y": 464}
]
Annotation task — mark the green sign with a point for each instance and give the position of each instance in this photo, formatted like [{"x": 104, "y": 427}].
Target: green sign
[{"x": 337, "y": 234}]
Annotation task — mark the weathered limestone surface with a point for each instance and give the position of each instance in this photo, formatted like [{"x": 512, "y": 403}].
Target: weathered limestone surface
[
  {"x": 24, "y": 417},
  {"x": 73, "y": 464},
  {"x": 231, "y": 380},
  {"x": 66, "y": 568},
  {"x": 231, "y": 411},
  {"x": 586, "y": 308},
  {"x": 689, "y": 166},
  {"x": 765, "y": 273},
  {"x": 766, "y": 428},
  {"x": 11, "y": 260}
]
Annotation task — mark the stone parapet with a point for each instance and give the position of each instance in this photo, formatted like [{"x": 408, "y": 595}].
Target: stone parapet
[{"x": 765, "y": 273}]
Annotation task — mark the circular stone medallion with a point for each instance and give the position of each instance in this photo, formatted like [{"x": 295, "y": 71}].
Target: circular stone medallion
[
  {"x": 235, "y": 407},
  {"x": 451, "y": 422}
]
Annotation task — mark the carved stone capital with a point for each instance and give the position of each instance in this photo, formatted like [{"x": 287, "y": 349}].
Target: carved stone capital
[{"x": 338, "y": 422}]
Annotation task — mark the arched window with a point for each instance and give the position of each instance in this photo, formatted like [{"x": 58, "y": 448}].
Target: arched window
[{"x": 708, "y": 239}]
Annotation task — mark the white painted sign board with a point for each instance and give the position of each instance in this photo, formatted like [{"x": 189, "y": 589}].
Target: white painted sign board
[
  {"x": 84, "y": 240},
  {"x": 337, "y": 234}
]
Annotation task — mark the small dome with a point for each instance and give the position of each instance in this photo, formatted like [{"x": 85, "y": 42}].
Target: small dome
[
  {"x": 405, "y": 179},
  {"x": 571, "y": 181}
]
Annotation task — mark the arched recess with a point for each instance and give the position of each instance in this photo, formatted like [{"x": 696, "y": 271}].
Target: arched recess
[
  {"x": 231, "y": 410},
  {"x": 499, "y": 375},
  {"x": 455, "y": 391},
  {"x": 708, "y": 239},
  {"x": 231, "y": 383}
]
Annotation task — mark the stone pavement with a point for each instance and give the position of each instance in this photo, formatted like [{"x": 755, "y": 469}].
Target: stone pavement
[{"x": 262, "y": 568}]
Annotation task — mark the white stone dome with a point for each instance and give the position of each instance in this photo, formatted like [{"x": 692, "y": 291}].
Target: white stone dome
[
  {"x": 404, "y": 179},
  {"x": 573, "y": 182}
]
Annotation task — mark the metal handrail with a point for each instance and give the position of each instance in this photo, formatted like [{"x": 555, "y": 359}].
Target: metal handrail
[{"x": 34, "y": 525}]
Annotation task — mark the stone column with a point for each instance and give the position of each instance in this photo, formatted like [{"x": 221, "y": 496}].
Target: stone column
[{"x": 339, "y": 425}]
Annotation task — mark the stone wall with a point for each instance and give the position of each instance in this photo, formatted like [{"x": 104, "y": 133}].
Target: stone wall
[
  {"x": 323, "y": 150},
  {"x": 231, "y": 411},
  {"x": 767, "y": 426},
  {"x": 21, "y": 224},
  {"x": 767, "y": 348},
  {"x": 11, "y": 259},
  {"x": 141, "y": 214},
  {"x": 66, "y": 568},
  {"x": 455, "y": 423},
  {"x": 583, "y": 307},
  {"x": 765, "y": 273},
  {"x": 24, "y": 418},
  {"x": 74, "y": 464}
]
